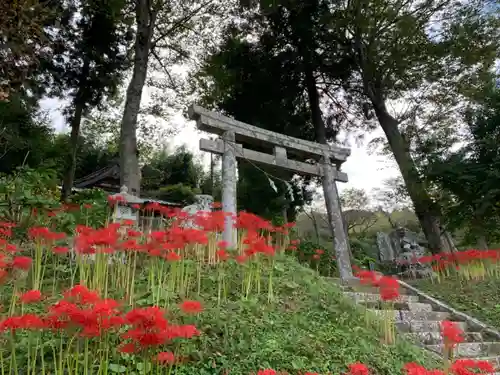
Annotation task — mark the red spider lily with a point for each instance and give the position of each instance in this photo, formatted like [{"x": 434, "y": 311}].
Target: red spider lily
[
  {"x": 452, "y": 334},
  {"x": 467, "y": 367},
  {"x": 216, "y": 205},
  {"x": 267, "y": 372},
  {"x": 22, "y": 322},
  {"x": 127, "y": 348},
  {"x": 319, "y": 251},
  {"x": 367, "y": 277},
  {"x": 45, "y": 234},
  {"x": 358, "y": 369},
  {"x": 22, "y": 263},
  {"x": 191, "y": 307},
  {"x": 150, "y": 328},
  {"x": 412, "y": 368},
  {"x": 173, "y": 257},
  {"x": 241, "y": 259},
  {"x": 389, "y": 288},
  {"x": 222, "y": 255},
  {"x": 222, "y": 245},
  {"x": 60, "y": 250},
  {"x": 114, "y": 199},
  {"x": 165, "y": 357},
  {"x": 31, "y": 296},
  {"x": 81, "y": 294},
  {"x": 11, "y": 248}
]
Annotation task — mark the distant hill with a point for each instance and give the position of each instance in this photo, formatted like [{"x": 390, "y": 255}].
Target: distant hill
[{"x": 364, "y": 222}]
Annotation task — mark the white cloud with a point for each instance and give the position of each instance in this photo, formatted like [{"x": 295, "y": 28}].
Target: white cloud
[{"x": 54, "y": 109}]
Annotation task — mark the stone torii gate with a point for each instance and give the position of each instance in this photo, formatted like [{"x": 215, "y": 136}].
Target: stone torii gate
[{"x": 328, "y": 159}]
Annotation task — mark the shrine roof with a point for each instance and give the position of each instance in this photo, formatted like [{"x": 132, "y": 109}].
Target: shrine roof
[{"x": 101, "y": 178}]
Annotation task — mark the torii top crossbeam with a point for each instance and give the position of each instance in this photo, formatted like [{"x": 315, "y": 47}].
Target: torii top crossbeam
[
  {"x": 215, "y": 123},
  {"x": 282, "y": 145}
]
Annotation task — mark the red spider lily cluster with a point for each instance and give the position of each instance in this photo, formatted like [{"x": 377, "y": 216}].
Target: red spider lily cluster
[
  {"x": 471, "y": 264},
  {"x": 83, "y": 313},
  {"x": 89, "y": 322},
  {"x": 452, "y": 334},
  {"x": 388, "y": 286},
  {"x": 458, "y": 367}
]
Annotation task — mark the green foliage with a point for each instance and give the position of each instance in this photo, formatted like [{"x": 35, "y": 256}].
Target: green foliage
[
  {"x": 257, "y": 195},
  {"x": 24, "y": 140},
  {"x": 468, "y": 179},
  {"x": 176, "y": 168},
  {"x": 28, "y": 195},
  {"x": 91, "y": 53},
  {"x": 364, "y": 251},
  {"x": 178, "y": 193},
  {"x": 310, "y": 327},
  {"x": 307, "y": 253},
  {"x": 92, "y": 209}
]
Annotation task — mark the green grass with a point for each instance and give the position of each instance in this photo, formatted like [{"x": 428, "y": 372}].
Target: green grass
[
  {"x": 480, "y": 299},
  {"x": 310, "y": 326}
]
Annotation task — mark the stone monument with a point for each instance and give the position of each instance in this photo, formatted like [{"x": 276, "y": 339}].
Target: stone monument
[
  {"x": 408, "y": 249},
  {"x": 385, "y": 247},
  {"x": 203, "y": 203}
]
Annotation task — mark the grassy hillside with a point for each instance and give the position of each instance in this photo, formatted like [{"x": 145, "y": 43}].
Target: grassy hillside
[
  {"x": 480, "y": 298},
  {"x": 309, "y": 327}
]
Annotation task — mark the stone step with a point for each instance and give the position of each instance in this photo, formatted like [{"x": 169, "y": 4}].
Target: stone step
[
  {"x": 435, "y": 337},
  {"x": 401, "y": 306},
  {"x": 370, "y": 289},
  {"x": 360, "y": 297},
  {"x": 470, "y": 349},
  {"x": 424, "y": 326},
  {"x": 406, "y": 315}
]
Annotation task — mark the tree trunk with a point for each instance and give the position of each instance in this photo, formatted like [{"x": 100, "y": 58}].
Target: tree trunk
[
  {"x": 448, "y": 241},
  {"x": 212, "y": 167},
  {"x": 482, "y": 243},
  {"x": 315, "y": 225},
  {"x": 426, "y": 210},
  {"x": 129, "y": 160},
  {"x": 481, "y": 235},
  {"x": 76, "y": 121},
  {"x": 335, "y": 218},
  {"x": 69, "y": 175}
]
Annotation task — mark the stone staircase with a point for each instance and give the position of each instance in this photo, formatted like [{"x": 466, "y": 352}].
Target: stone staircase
[{"x": 419, "y": 321}]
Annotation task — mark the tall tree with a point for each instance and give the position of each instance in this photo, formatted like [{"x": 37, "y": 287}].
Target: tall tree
[
  {"x": 160, "y": 25},
  {"x": 288, "y": 48},
  {"x": 91, "y": 56},
  {"x": 25, "y": 139},
  {"x": 25, "y": 44},
  {"x": 400, "y": 54},
  {"x": 469, "y": 177}
]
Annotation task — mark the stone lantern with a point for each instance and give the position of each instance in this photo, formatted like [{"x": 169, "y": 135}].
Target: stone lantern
[{"x": 124, "y": 209}]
